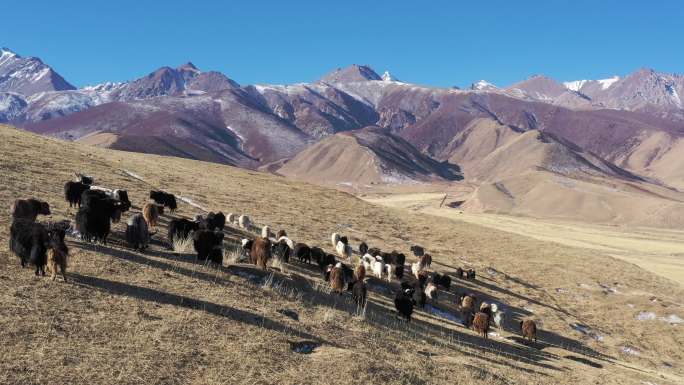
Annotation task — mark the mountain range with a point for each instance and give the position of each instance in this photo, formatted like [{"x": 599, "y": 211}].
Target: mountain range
[{"x": 356, "y": 127}]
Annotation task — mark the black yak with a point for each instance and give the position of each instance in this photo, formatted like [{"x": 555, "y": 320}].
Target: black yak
[
  {"x": 29, "y": 209},
  {"x": 215, "y": 221},
  {"x": 30, "y": 241},
  {"x": 73, "y": 192},
  {"x": 403, "y": 302},
  {"x": 181, "y": 229},
  {"x": 363, "y": 248},
  {"x": 94, "y": 218},
  {"x": 208, "y": 245},
  {"x": 281, "y": 250},
  {"x": 164, "y": 199},
  {"x": 359, "y": 293},
  {"x": 137, "y": 232},
  {"x": 302, "y": 252}
]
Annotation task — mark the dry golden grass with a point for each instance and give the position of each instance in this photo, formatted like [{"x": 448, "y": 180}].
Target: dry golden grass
[
  {"x": 159, "y": 317},
  {"x": 655, "y": 249}
]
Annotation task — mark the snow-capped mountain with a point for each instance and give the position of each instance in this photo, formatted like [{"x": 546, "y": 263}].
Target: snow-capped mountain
[
  {"x": 12, "y": 106},
  {"x": 27, "y": 76},
  {"x": 483, "y": 85},
  {"x": 540, "y": 87},
  {"x": 645, "y": 90},
  {"x": 184, "y": 111},
  {"x": 579, "y": 85},
  {"x": 48, "y": 104},
  {"x": 388, "y": 77},
  {"x": 352, "y": 73}
]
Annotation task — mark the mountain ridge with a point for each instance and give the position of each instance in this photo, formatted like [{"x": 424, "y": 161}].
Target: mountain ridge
[{"x": 211, "y": 117}]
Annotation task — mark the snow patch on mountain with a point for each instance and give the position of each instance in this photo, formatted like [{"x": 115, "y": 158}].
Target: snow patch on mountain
[
  {"x": 241, "y": 139},
  {"x": 290, "y": 89},
  {"x": 606, "y": 83},
  {"x": 6, "y": 55},
  {"x": 52, "y": 104},
  {"x": 387, "y": 77},
  {"x": 102, "y": 87},
  {"x": 517, "y": 93},
  {"x": 483, "y": 85},
  {"x": 11, "y": 106},
  {"x": 575, "y": 85},
  {"x": 674, "y": 95}
]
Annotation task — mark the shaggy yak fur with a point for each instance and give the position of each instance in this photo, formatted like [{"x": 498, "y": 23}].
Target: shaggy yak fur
[
  {"x": 337, "y": 279},
  {"x": 481, "y": 324},
  {"x": 137, "y": 232},
  {"x": 30, "y": 241},
  {"x": 281, "y": 250},
  {"x": 302, "y": 252},
  {"x": 363, "y": 248},
  {"x": 208, "y": 245},
  {"x": 94, "y": 218},
  {"x": 215, "y": 221},
  {"x": 403, "y": 302},
  {"x": 529, "y": 330},
  {"x": 261, "y": 252},
  {"x": 181, "y": 229},
  {"x": 29, "y": 209},
  {"x": 467, "y": 308},
  {"x": 151, "y": 213},
  {"x": 360, "y": 272},
  {"x": 73, "y": 192},
  {"x": 164, "y": 199},
  {"x": 359, "y": 293}
]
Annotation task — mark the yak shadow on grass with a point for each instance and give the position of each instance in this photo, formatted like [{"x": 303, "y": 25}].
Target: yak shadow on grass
[
  {"x": 383, "y": 293},
  {"x": 160, "y": 297},
  {"x": 143, "y": 260},
  {"x": 516, "y": 314},
  {"x": 380, "y": 316},
  {"x": 311, "y": 292},
  {"x": 445, "y": 264},
  {"x": 584, "y": 361},
  {"x": 470, "y": 285},
  {"x": 481, "y": 281},
  {"x": 511, "y": 278},
  {"x": 460, "y": 342}
]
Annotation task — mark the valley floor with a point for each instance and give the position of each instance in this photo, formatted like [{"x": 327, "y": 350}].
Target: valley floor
[{"x": 660, "y": 251}]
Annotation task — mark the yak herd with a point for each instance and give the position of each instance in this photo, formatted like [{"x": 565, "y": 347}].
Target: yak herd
[{"x": 42, "y": 244}]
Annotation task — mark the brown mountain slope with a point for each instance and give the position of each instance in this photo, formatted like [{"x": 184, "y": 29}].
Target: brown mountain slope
[
  {"x": 125, "y": 314},
  {"x": 488, "y": 150},
  {"x": 536, "y": 150},
  {"x": 541, "y": 194},
  {"x": 480, "y": 138},
  {"x": 254, "y": 126},
  {"x": 536, "y": 174},
  {"x": 657, "y": 155},
  {"x": 367, "y": 156}
]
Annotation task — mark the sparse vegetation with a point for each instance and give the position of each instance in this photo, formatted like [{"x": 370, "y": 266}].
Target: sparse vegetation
[
  {"x": 183, "y": 245},
  {"x": 231, "y": 255},
  {"x": 158, "y": 316}
]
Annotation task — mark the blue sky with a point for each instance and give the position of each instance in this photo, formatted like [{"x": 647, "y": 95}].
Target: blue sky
[{"x": 441, "y": 43}]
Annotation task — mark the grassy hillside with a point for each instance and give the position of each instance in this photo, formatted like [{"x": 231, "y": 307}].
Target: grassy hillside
[{"x": 161, "y": 318}]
